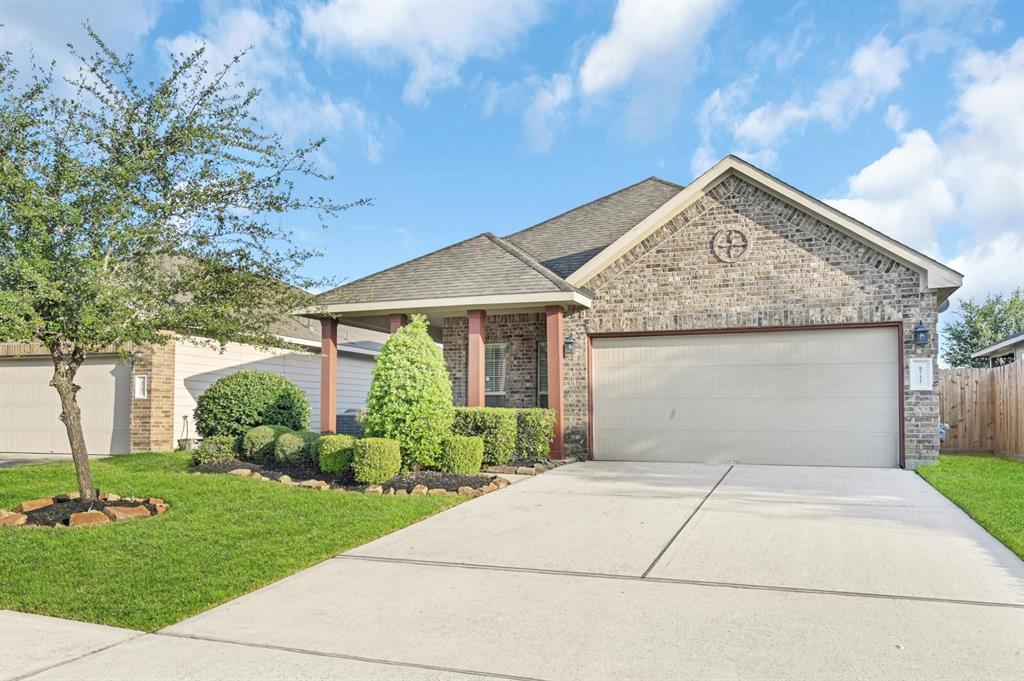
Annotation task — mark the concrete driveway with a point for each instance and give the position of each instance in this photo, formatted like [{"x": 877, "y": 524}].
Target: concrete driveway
[{"x": 632, "y": 571}]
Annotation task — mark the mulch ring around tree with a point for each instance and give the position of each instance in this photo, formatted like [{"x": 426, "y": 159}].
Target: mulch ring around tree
[
  {"x": 66, "y": 510},
  {"x": 415, "y": 482}
]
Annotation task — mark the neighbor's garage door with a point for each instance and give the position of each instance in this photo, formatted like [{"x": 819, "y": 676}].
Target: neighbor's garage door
[
  {"x": 819, "y": 397},
  {"x": 30, "y": 408}
]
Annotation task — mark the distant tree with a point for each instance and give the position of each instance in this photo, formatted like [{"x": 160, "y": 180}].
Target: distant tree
[
  {"x": 980, "y": 325},
  {"x": 131, "y": 208}
]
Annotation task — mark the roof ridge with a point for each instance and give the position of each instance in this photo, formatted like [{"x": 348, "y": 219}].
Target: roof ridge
[
  {"x": 397, "y": 265},
  {"x": 529, "y": 260},
  {"x": 588, "y": 203}
]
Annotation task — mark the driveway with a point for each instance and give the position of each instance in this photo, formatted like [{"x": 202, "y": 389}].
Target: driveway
[{"x": 632, "y": 571}]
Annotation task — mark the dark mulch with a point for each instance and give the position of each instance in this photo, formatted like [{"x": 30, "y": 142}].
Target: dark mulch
[
  {"x": 274, "y": 470},
  {"x": 60, "y": 511}
]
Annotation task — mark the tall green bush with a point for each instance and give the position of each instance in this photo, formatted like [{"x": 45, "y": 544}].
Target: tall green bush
[
  {"x": 496, "y": 425},
  {"x": 534, "y": 429},
  {"x": 411, "y": 395},
  {"x": 246, "y": 399}
]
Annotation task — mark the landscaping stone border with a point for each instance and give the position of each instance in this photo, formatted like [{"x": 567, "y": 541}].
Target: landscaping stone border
[
  {"x": 494, "y": 483},
  {"x": 108, "y": 508},
  {"x": 535, "y": 469}
]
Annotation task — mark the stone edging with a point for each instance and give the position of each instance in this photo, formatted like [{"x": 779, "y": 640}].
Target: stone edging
[{"x": 536, "y": 469}]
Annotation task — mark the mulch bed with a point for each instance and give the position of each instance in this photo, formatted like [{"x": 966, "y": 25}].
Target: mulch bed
[
  {"x": 407, "y": 481},
  {"x": 60, "y": 511}
]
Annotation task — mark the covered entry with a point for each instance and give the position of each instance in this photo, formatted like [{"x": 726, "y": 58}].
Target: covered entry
[{"x": 826, "y": 396}]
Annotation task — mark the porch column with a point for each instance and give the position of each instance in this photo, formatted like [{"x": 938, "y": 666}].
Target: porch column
[
  {"x": 475, "y": 373},
  {"x": 397, "y": 321},
  {"x": 556, "y": 377},
  {"x": 328, "y": 375}
]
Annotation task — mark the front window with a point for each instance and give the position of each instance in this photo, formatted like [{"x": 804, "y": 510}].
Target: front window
[
  {"x": 495, "y": 355},
  {"x": 542, "y": 374}
]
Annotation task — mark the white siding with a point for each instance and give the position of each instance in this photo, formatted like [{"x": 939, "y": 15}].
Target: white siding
[
  {"x": 30, "y": 407},
  {"x": 826, "y": 397},
  {"x": 198, "y": 367}
]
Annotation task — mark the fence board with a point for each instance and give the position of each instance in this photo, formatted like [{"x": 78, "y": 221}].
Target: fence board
[{"x": 984, "y": 409}]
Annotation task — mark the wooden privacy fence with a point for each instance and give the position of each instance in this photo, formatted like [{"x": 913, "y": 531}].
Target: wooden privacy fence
[{"x": 984, "y": 409}]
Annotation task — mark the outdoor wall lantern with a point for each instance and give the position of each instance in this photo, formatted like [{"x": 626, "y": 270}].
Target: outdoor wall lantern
[
  {"x": 921, "y": 333},
  {"x": 568, "y": 347}
]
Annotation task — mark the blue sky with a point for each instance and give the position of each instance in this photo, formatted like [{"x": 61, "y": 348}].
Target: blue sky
[{"x": 464, "y": 117}]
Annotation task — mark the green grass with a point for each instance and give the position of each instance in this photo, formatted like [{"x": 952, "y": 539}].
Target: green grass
[
  {"x": 222, "y": 537},
  {"x": 989, "y": 489}
]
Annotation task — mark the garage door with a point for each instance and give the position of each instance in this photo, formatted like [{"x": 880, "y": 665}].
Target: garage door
[
  {"x": 820, "y": 397},
  {"x": 30, "y": 408}
]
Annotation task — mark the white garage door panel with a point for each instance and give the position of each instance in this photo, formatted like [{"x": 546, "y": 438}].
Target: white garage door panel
[
  {"x": 827, "y": 397},
  {"x": 30, "y": 407}
]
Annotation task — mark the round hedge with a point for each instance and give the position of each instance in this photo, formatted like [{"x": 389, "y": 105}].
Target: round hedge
[
  {"x": 258, "y": 443},
  {"x": 410, "y": 396},
  {"x": 236, "y": 403},
  {"x": 335, "y": 452},
  {"x": 375, "y": 459},
  {"x": 215, "y": 449},
  {"x": 312, "y": 440},
  {"x": 461, "y": 454},
  {"x": 290, "y": 448}
]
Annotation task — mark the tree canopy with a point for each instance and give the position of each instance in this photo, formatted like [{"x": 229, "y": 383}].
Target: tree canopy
[{"x": 980, "y": 325}]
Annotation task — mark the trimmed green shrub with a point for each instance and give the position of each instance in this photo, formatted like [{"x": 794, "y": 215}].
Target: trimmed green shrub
[
  {"x": 335, "y": 452},
  {"x": 496, "y": 425},
  {"x": 312, "y": 440},
  {"x": 245, "y": 399},
  {"x": 534, "y": 429},
  {"x": 290, "y": 448},
  {"x": 410, "y": 396},
  {"x": 375, "y": 459},
  {"x": 214, "y": 449},
  {"x": 258, "y": 443},
  {"x": 462, "y": 454}
]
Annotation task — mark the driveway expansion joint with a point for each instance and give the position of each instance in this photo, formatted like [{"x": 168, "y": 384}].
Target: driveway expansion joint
[
  {"x": 355, "y": 658},
  {"x": 55, "y": 665}
]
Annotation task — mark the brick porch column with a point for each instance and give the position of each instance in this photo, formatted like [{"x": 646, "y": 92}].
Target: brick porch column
[
  {"x": 397, "y": 321},
  {"x": 475, "y": 369},
  {"x": 328, "y": 375},
  {"x": 556, "y": 377}
]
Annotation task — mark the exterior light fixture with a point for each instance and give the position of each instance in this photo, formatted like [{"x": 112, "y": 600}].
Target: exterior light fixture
[
  {"x": 136, "y": 356},
  {"x": 568, "y": 347},
  {"x": 921, "y": 333}
]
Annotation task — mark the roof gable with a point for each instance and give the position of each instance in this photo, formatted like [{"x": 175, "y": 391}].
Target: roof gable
[
  {"x": 567, "y": 241},
  {"x": 934, "y": 275}
]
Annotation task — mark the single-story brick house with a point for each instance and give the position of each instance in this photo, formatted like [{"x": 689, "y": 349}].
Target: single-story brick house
[
  {"x": 143, "y": 405},
  {"x": 736, "y": 319}
]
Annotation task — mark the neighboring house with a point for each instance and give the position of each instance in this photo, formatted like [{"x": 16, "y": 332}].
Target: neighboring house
[
  {"x": 142, "y": 405},
  {"x": 1010, "y": 349},
  {"x": 736, "y": 319}
]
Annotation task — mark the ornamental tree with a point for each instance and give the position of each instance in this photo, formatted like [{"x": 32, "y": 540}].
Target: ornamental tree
[
  {"x": 981, "y": 324},
  {"x": 132, "y": 209},
  {"x": 410, "y": 396}
]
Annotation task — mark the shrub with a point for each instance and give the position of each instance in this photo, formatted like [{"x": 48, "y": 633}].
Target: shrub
[
  {"x": 461, "y": 454},
  {"x": 312, "y": 440},
  {"x": 290, "y": 448},
  {"x": 496, "y": 425},
  {"x": 258, "y": 443},
  {"x": 214, "y": 449},
  {"x": 375, "y": 459},
  {"x": 534, "y": 429},
  {"x": 236, "y": 403},
  {"x": 335, "y": 452},
  {"x": 410, "y": 396}
]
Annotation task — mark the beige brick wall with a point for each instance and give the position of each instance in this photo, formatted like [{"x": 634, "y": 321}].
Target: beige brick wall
[
  {"x": 153, "y": 417},
  {"x": 520, "y": 332}
]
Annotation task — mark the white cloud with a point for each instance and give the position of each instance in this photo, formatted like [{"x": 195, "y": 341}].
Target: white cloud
[
  {"x": 783, "y": 54},
  {"x": 436, "y": 39},
  {"x": 971, "y": 179},
  {"x": 288, "y": 104},
  {"x": 896, "y": 118},
  {"x": 547, "y": 111}
]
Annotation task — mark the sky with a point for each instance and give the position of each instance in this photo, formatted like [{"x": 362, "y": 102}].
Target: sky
[{"x": 463, "y": 117}]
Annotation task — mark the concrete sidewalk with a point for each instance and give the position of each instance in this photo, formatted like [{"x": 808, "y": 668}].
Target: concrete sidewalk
[{"x": 631, "y": 571}]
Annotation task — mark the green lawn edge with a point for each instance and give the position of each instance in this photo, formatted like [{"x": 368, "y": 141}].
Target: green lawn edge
[
  {"x": 989, "y": 489},
  {"x": 222, "y": 537}
]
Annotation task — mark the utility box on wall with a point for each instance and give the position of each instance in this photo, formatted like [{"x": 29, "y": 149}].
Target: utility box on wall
[{"x": 921, "y": 373}]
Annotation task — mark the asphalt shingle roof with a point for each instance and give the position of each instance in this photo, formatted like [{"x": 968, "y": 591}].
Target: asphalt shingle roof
[{"x": 534, "y": 260}]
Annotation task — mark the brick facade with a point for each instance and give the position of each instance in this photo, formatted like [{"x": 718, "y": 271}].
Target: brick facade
[
  {"x": 153, "y": 417},
  {"x": 799, "y": 271}
]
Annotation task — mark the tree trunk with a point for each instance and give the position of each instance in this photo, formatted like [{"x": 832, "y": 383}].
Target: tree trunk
[{"x": 67, "y": 358}]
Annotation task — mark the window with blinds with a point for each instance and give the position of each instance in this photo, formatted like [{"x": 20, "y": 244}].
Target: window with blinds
[
  {"x": 495, "y": 356},
  {"x": 542, "y": 374}
]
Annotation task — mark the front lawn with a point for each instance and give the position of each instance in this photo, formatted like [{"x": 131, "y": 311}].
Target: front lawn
[
  {"x": 222, "y": 537},
  {"x": 989, "y": 489}
]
